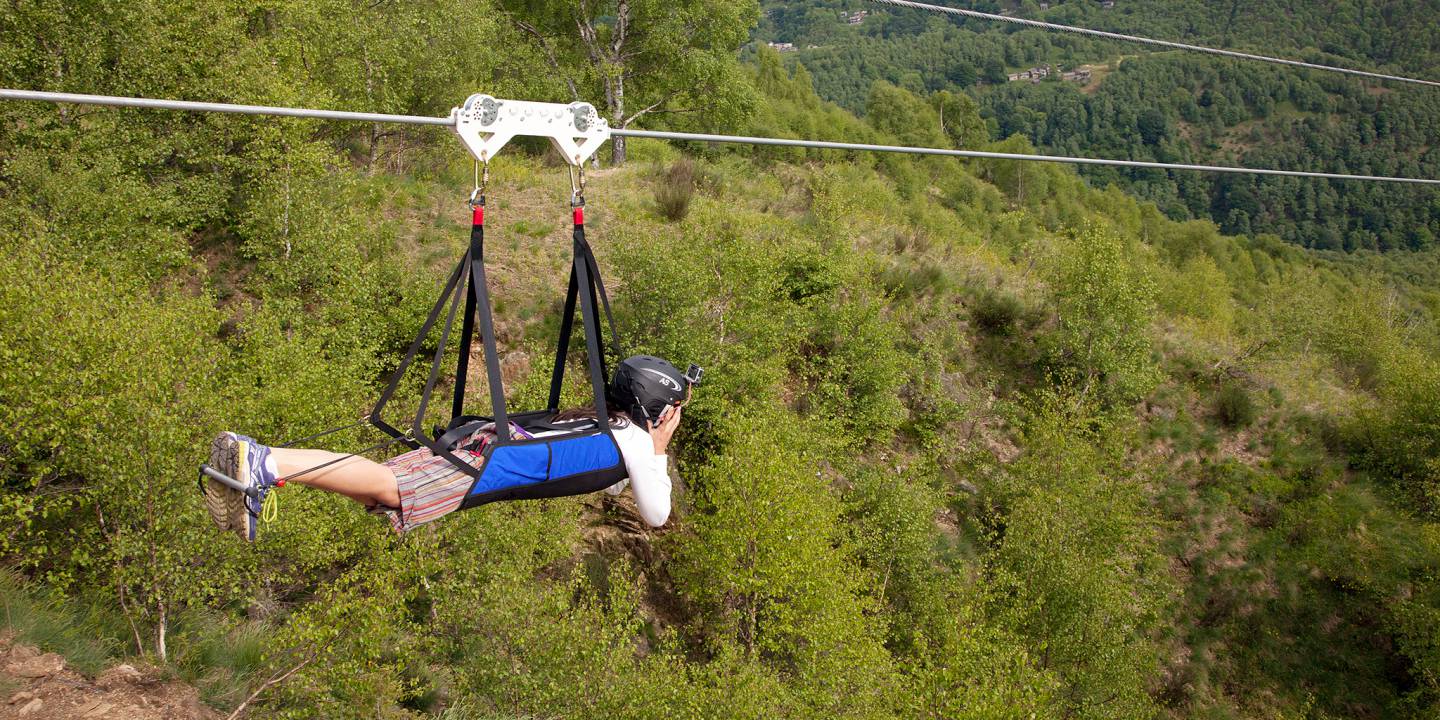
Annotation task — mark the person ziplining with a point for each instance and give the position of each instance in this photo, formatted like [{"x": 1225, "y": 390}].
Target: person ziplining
[
  {"x": 419, "y": 486},
  {"x": 621, "y": 438}
]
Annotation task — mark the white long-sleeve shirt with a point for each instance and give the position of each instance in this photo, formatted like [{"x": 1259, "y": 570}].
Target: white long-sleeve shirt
[{"x": 649, "y": 473}]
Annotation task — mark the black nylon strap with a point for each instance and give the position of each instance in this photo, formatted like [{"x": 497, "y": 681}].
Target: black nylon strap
[
  {"x": 455, "y": 434},
  {"x": 481, "y": 291},
  {"x": 395, "y": 377},
  {"x": 599, "y": 283},
  {"x": 360, "y": 453},
  {"x": 562, "y": 347},
  {"x": 322, "y": 433},
  {"x": 417, "y": 426},
  {"x": 590, "y": 316},
  {"x": 467, "y": 336},
  {"x": 583, "y": 258},
  {"x": 585, "y": 285}
]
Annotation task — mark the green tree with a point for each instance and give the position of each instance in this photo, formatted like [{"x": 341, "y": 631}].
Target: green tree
[
  {"x": 1076, "y": 568},
  {"x": 1105, "y": 302},
  {"x": 960, "y": 119},
  {"x": 771, "y": 568},
  {"x": 645, "y": 56}
]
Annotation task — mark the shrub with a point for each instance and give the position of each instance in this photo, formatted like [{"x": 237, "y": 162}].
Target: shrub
[
  {"x": 996, "y": 312},
  {"x": 1233, "y": 407},
  {"x": 1104, "y": 301},
  {"x": 914, "y": 279},
  {"x": 677, "y": 188}
]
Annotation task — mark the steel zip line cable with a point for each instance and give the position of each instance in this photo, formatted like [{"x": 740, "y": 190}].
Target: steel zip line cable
[
  {"x": 56, "y": 97},
  {"x": 1150, "y": 41},
  {"x": 6, "y": 94},
  {"x": 1007, "y": 156}
]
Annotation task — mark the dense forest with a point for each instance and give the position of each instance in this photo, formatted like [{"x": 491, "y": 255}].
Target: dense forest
[
  {"x": 1178, "y": 107},
  {"x": 978, "y": 439}
]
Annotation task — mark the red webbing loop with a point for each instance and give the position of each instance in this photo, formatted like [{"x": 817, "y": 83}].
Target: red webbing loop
[
  {"x": 478, "y": 216},
  {"x": 579, "y": 216}
]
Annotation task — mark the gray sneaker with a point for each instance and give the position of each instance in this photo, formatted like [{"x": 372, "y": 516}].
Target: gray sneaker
[{"x": 243, "y": 459}]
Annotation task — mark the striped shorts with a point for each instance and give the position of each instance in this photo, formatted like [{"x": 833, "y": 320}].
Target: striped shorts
[{"x": 430, "y": 486}]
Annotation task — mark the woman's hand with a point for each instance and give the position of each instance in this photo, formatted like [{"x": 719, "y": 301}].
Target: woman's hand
[{"x": 661, "y": 432}]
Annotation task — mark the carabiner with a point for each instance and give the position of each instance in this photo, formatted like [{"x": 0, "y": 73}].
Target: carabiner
[
  {"x": 577, "y": 185},
  {"x": 482, "y": 180}
]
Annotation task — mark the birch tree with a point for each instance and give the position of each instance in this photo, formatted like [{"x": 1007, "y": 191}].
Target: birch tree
[{"x": 644, "y": 57}]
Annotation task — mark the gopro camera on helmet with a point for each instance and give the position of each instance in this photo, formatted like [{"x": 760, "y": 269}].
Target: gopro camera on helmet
[{"x": 645, "y": 385}]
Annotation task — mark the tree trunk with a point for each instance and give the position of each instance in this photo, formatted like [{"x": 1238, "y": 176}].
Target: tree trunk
[
  {"x": 160, "y": 631},
  {"x": 617, "y": 111},
  {"x": 1230, "y": 22}
]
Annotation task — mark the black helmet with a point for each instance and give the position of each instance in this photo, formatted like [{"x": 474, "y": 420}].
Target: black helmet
[{"x": 644, "y": 384}]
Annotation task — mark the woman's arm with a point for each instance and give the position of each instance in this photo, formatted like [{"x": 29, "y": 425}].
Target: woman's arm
[{"x": 648, "y": 467}]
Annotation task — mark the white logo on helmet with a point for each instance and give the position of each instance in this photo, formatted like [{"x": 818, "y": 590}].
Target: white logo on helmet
[{"x": 665, "y": 380}]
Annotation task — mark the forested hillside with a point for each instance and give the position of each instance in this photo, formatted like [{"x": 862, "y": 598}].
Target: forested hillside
[
  {"x": 977, "y": 439},
  {"x": 1178, "y": 107}
]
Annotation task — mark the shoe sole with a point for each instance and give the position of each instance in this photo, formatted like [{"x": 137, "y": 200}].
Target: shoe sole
[{"x": 226, "y": 504}]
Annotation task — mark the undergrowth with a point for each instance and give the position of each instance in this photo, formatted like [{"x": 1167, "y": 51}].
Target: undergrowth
[{"x": 88, "y": 635}]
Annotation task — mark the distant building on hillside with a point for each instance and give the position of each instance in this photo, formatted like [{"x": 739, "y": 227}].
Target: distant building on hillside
[
  {"x": 854, "y": 18},
  {"x": 1080, "y": 75},
  {"x": 782, "y": 47},
  {"x": 1107, "y": 4},
  {"x": 1034, "y": 75}
]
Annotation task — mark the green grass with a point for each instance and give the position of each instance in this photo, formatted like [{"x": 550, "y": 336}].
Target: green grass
[
  {"x": 221, "y": 661},
  {"x": 530, "y": 228},
  {"x": 86, "y": 635}
]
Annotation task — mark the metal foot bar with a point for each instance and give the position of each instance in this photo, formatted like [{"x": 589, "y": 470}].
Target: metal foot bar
[{"x": 227, "y": 481}]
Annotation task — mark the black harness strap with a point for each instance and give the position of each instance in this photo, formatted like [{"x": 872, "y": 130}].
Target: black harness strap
[
  {"x": 452, "y": 285},
  {"x": 481, "y": 291},
  {"x": 467, "y": 335},
  {"x": 599, "y": 284},
  {"x": 585, "y": 289},
  {"x": 562, "y": 348},
  {"x": 591, "y": 318},
  {"x": 389, "y": 392},
  {"x": 418, "y": 422},
  {"x": 468, "y": 277},
  {"x": 582, "y": 262}
]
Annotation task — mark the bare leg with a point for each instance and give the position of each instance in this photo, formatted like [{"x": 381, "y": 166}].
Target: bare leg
[{"x": 360, "y": 479}]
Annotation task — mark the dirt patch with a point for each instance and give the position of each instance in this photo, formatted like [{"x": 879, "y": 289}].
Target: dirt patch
[
  {"x": 41, "y": 686},
  {"x": 1237, "y": 447}
]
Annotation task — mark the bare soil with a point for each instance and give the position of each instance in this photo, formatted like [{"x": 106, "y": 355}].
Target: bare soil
[{"x": 42, "y": 686}]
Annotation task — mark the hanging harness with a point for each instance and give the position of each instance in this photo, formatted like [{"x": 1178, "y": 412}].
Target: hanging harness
[{"x": 583, "y": 457}]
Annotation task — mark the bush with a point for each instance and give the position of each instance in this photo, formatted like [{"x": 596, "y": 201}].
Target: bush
[
  {"x": 1104, "y": 301},
  {"x": 1233, "y": 407},
  {"x": 677, "y": 188},
  {"x": 996, "y": 312}
]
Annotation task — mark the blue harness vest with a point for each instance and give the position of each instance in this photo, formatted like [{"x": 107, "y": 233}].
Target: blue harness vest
[{"x": 578, "y": 460}]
